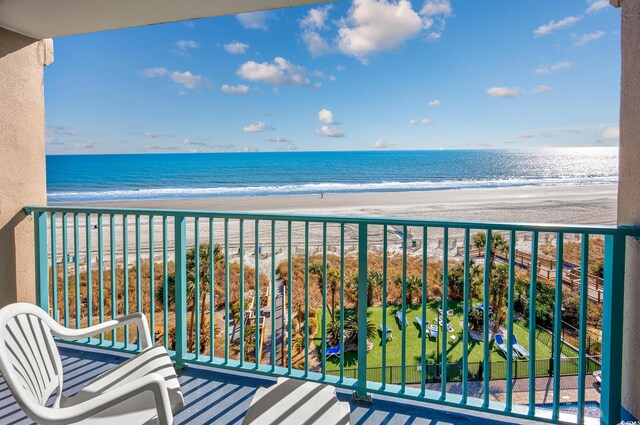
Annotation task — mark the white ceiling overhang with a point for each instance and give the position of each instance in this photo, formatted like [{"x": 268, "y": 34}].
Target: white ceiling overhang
[{"x": 56, "y": 18}]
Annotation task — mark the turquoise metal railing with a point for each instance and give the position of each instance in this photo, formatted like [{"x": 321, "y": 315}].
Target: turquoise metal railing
[{"x": 198, "y": 301}]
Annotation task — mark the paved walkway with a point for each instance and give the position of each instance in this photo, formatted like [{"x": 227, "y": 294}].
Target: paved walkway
[
  {"x": 280, "y": 325},
  {"x": 520, "y": 394}
]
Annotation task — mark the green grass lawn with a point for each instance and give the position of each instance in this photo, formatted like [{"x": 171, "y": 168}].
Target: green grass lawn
[{"x": 414, "y": 341}]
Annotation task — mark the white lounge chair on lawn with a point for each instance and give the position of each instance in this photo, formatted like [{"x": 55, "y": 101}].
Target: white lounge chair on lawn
[
  {"x": 449, "y": 312},
  {"x": 387, "y": 332},
  {"x": 419, "y": 322},
  {"x": 449, "y": 325},
  {"x": 433, "y": 331},
  {"x": 501, "y": 343},
  {"x": 519, "y": 349},
  {"x": 402, "y": 319},
  {"x": 143, "y": 389}
]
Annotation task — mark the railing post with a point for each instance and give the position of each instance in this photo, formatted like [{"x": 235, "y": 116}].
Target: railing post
[
  {"x": 361, "y": 390},
  {"x": 612, "y": 313},
  {"x": 42, "y": 268},
  {"x": 181, "y": 290}
]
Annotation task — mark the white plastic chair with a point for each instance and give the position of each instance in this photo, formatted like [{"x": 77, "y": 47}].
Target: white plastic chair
[{"x": 143, "y": 389}]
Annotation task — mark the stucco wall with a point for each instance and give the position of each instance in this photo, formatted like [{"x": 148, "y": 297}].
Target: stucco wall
[
  {"x": 629, "y": 199},
  {"x": 22, "y": 158}
]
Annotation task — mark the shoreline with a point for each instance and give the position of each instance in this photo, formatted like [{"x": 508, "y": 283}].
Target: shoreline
[
  {"x": 592, "y": 204},
  {"x": 583, "y": 204}
]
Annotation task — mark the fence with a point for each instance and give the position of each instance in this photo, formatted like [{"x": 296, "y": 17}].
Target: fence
[
  {"x": 497, "y": 370},
  {"x": 111, "y": 282}
]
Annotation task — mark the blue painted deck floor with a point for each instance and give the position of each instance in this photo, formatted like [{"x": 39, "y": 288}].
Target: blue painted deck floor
[{"x": 213, "y": 397}]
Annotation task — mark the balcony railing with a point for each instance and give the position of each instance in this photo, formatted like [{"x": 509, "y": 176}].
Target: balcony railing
[{"x": 204, "y": 277}]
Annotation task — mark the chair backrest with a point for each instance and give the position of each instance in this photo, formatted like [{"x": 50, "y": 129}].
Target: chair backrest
[
  {"x": 499, "y": 339},
  {"x": 29, "y": 359}
]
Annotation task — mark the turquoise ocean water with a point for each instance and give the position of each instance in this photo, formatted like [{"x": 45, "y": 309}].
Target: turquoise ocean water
[{"x": 77, "y": 178}]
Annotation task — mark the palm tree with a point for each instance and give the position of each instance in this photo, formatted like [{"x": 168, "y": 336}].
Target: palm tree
[
  {"x": 351, "y": 328},
  {"x": 333, "y": 282},
  {"x": 374, "y": 281},
  {"x": 414, "y": 284},
  {"x": 333, "y": 332},
  {"x": 456, "y": 279},
  {"x": 498, "y": 244},
  {"x": 202, "y": 280},
  {"x": 475, "y": 279},
  {"x": 499, "y": 287}
]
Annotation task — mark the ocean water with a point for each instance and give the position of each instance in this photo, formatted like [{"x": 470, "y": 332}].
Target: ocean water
[{"x": 77, "y": 178}]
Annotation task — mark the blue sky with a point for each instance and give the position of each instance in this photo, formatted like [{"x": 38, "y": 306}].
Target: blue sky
[{"x": 360, "y": 75}]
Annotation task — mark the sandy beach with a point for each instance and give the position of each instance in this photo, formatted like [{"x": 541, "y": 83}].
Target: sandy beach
[{"x": 588, "y": 204}]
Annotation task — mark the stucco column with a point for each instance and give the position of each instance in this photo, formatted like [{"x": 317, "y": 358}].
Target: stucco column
[
  {"x": 629, "y": 200},
  {"x": 22, "y": 158}
]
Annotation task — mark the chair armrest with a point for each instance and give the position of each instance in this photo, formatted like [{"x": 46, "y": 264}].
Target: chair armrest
[
  {"x": 138, "y": 319},
  {"x": 154, "y": 382}
]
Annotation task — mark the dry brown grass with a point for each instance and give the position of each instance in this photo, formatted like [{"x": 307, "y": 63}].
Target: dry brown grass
[
  {"x": 146, "y": 296},
  {"x": 571, "y": 250},
  {"x": 394, "y": 271}
]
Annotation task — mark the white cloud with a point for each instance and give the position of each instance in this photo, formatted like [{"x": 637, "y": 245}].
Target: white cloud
[
  {"x": 316, "y": 44},
  {"x": 526, "y": 135},
  {"x": 332, "y": 77},
  {"x": 541, "y": 88},
  {"x": 236, "y": 48},
  {"x": 610, "y": 132},
  {"x": 256, "y": 127},
  {"x": 550, "y": 69},
  {"x": 552, "y": 26},
  {"x": 160, "y": 148},
  {"x": 239, "y": 89},
  {"x": 277, "y": 139},
  {"x": 311, "y": 25},
  {"x": 596, "y": 5},
  {"x": 151, "y": 135},
  {"x": 437, "y": 7},
  {"x": 316, "y": 18},
  {"x": 424, "y": 121},
  {"x": 327, "y": 131},
  {"x": 585, "y": 39},
  {"x": 381, "y": 144},
  {"x": 280, "y": 72},
  {"x": 154, "y": 72},
  {"x": 290, "y": 147},
  {"x": 435, "y": 13},
  {"x": 188, "y": 80},
  {"x": 187, "y": 44},
  {"x": 377, "y": 25},
  {"x": 255, "y": 20},
  {"x": 187, "y": 141},
  {"x": 433, "y": 103},
  {"x": 85, "y": 145},
  {"x": 325, "y": 116},
  {"x": 505, "y": 91}
]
